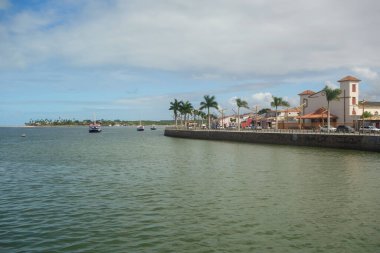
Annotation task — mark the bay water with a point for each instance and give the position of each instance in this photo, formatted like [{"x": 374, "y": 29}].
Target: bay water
[{"x": 63, "y": 189}]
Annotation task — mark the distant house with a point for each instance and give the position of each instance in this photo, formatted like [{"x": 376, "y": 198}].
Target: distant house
[
  {"x": 232, "y": 121},
  {"x": 227, "y": 121},
  {"x": 374, "y": 109}
]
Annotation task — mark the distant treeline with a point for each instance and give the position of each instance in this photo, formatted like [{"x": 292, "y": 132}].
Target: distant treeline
[{"x": 104, "y": 122}]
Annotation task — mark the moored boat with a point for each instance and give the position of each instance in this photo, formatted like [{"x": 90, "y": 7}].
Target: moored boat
[
  {"x": 153, "y": 127},
  {"x": 140, "y": 127},
  {"x": 94, "y": 128}
]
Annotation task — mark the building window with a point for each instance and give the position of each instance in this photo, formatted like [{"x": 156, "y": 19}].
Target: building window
[
  {"x": 354, "y": 100},
  {"x": 376, "y": 113},
  {"x": 354, "y": 87}
]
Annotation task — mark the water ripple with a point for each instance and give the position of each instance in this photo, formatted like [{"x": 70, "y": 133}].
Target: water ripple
[{"x": 63, "y": 190}]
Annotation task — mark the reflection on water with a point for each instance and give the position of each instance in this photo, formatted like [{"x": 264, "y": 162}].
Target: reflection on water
[{"x": 65, "y": 190}]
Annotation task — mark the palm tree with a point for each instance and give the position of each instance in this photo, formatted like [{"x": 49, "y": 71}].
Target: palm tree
[
  {"x": 203, "y": 116},
  {"x": 195, "y": 113},
  {"x": 221, "y": 111},
  {"x": 209, "y": 102},
  {"x": 366, "y": 115},
  {"x": 331, "y": 94},
  {"x": 240, "y": 103},
  {"x": 186, "y": 108},
  {"x": 175, "y": 106},
  {"x": 277, "y": 101}
]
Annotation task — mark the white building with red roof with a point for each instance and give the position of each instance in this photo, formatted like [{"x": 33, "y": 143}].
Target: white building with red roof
[{"x": 345, "y": 111}]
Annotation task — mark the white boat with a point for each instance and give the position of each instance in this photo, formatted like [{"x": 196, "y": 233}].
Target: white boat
[
  {"x": 140, "y": 127},
  {"x": 94, "y": 127},
  {"x": 153, "y": 127}
]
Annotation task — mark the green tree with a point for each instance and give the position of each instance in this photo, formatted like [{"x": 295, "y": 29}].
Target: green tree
[
  {"x": 203, "y": 116},
  {"x": 240, "y": 103},
  {"x": 264, "y": 110},
  {"x": 209, "y": 102},
  {"x": 185, "y": 109},
  {"x": 175, "y": 106},
  {"x": 366, "y": 115},
  {"x": 277, "y": 101},
  {"x": 331, "y": 94},
  {"x": 197, "y": 114}
]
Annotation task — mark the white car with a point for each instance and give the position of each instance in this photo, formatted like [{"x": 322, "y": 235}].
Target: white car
[
  {"x": 369, "y": 129},
  {"x": 326, "y": 129}
]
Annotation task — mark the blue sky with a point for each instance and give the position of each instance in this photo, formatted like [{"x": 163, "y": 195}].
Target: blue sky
[{"x": 127, "y": 59}]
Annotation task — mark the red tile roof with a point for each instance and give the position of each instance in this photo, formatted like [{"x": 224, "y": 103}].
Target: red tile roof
[
  {"x": 307, "y": 92},
  {"x": 349, "y": 78},
  {"x": 321, "y": 113}
]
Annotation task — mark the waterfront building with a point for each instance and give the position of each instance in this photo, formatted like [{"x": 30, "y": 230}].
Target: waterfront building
[
  {"x": 227, "y": 121},
  {"x": 231, "y": 121},
  {"x": 345, "y": 111},
  {"x": 312, "y": 111},
  {"x": 288, "y": 118}
]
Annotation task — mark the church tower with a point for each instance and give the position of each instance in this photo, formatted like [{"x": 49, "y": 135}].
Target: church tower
[{"x": 350, "y": 96}]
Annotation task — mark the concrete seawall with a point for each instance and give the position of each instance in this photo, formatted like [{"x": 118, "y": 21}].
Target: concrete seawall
[{"x": 344, "y": 141}]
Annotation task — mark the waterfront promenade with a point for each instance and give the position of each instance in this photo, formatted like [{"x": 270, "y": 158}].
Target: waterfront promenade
[{"x": 357, "y": 141}]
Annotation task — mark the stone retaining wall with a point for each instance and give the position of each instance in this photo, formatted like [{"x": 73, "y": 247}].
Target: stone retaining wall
[{"x": 346, "y": 141}]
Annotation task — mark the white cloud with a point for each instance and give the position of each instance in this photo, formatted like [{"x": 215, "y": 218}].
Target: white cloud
[
  {"x": 366, "y": 73},
  {"x": 332, "y": 85},
  {"x": 293, "y": 101},
  {"x": 262, "y": 98},
  {"x": 232, "y": 101},
  {"x": 237, "y": 37}
]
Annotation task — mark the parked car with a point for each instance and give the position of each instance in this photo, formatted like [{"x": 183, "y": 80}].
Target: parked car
[
  {"x": 345, "y": 129},
  {"x": 326, "y": 129},
  {"x": 369, "y": 129}
]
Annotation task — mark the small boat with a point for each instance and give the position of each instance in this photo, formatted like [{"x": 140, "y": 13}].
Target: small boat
[
  {"x": 94, "y": 128},
  {"x": 23, "y": 135},
  {"x": 140, "y": 127},
  {"x": 153, "y": 127}
]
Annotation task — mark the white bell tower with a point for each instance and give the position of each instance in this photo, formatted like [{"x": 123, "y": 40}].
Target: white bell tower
[{"x": 350, "y": 96}]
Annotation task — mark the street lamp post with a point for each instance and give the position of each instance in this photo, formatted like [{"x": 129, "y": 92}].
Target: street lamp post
[
  {"x": 222, "y": 112},
  {"x": 303, "y": 105},
  {"x": 355, "y": 106},
  {"x": 363, "y": 102}
]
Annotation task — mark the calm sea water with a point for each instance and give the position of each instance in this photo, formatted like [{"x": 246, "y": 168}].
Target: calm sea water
[{"x": 65, "y": 190}]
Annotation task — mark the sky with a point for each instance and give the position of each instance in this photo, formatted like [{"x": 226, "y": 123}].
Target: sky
[{"x": 128, "y": 59}]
